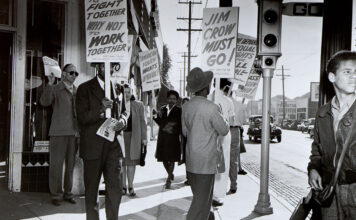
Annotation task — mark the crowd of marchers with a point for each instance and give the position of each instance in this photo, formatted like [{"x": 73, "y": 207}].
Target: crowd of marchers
[{"x": 203, "y": 131}]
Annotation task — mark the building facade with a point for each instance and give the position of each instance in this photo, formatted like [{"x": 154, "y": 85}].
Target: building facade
[{"x": 29, "y": 30}]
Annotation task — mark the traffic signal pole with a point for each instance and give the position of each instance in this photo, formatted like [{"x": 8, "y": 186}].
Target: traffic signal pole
[
  {"x": 263, "y": 205},
  {"x": 269, "y": 49}
]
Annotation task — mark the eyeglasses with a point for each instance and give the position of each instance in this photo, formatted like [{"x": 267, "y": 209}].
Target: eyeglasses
[{"x": 73, "y": 73}]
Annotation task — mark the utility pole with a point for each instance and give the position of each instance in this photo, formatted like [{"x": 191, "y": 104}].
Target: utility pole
[
  {"x": 184, "y": 74},
  {"x": 283, "y": 93},
  {"x": 189, "y": 28}
]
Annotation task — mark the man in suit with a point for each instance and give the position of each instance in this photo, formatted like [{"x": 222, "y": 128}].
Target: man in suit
[
  {"x": 202, "y": 123},
  {"x": 63, "y": 133},
  {"x": 100, "y": 156}
]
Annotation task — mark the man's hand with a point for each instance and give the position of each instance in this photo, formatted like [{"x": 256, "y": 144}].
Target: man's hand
[
  {"x": 106, "y": 103},
  {"x": 144, "y": 142},
  {"x": 119, "y": 126},
  {"x": 51, "y": 78},
  {"x": 315, "y": 180}
]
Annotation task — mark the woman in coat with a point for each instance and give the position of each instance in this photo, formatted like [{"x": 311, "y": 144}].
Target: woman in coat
[
  {"x": 170, "y": 128},
  {"x": 135, "y": 134}
]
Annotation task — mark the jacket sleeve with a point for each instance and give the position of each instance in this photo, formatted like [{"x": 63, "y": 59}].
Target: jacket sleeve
[
  {"x": 143, "y": 121},
  {"x": 47, "y": 96},
  {"x": 184, "y": 126},
  {"x": 158, "y": 119},
  {"x": 218, "y": 122},
  {"x": 85, "y": 114},
  {"x": 315, "y": 157}
]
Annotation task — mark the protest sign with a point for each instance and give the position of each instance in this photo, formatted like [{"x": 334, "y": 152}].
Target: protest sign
[
  {"x": 245, "y": 55},
  {"x": 219, "y": 40},
  {"x": 51, "y": 67},
  {"x": 250, "y": 88},
  {"x": 149, "y": 66},
  {"x": 106, "y": 30},
  {"x": 121, "y": 71}
]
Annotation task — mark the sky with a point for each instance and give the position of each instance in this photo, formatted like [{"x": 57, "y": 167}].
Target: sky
[{"x": 300, "y": 44}]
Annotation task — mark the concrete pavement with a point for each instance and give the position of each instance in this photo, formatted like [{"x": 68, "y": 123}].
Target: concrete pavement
[{"x": 153, "y": 201}]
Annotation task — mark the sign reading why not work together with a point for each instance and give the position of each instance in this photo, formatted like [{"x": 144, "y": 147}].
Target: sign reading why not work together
[
  {"x": 219, "y": 40},
  {"x": 106, "y": 30}
]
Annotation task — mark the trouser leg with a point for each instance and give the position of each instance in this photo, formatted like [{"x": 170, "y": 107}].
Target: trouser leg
[
  {"x": 124, "y": 170},
  {"x": 72, "y": 148},
  {"x": 202, "y": 186},
  {"x": 92, "y": 176},
  {"x": 57, "y": 151},
  {"x": 113, "y": 182},
  {"x": 221, "y": 179},
  {"x": 131, "y": 175},
  {"x": 235, "y": 148}
]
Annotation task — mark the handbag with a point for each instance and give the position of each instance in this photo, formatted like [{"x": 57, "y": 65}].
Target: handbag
[
  {"x": 318, "y": 199},
  {"x": 143, "y": 155}
]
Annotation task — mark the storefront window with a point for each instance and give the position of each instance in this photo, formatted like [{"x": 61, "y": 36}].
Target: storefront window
[
  {"x": 6, "y": 7},
  {"x": 45, "y": 37}
]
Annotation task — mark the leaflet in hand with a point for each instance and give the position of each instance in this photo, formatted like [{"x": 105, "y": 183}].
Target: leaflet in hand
[{"x": 106, "y": 130}]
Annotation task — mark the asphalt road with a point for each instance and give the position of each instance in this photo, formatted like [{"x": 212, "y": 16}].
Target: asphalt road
[{"x": 288, "y": 159}]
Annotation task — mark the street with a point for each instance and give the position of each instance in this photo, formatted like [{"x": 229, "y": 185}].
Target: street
[{"x": 288, "y": 163}]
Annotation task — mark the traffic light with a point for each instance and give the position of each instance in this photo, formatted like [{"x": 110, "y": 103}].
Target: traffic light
[{"x": 269, "y": 29}]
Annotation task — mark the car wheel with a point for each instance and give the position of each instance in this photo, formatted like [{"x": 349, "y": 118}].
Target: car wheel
[
  {"x": 249, "y": 138},
  {"x": 255, "y": 139},
  {"x": 279, "y": 139}
]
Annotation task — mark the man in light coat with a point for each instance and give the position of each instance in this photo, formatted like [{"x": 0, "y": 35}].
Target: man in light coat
[{"x": 202, "y": 123}]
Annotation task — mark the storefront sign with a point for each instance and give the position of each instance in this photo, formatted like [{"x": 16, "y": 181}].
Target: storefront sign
[
  {"x": 245, "y": 55},
  {"x": 303, "y": 9},
  {"x": 250, "y": 88},
  {"x": 219, "y": 40},
  {"x": 51, "y": 67},
  {"x": 149, "y": 65},
  {"x": 41, "y": 146},
  {"x": 314, "y": 91},
  {"x": 106, "y": 30}
]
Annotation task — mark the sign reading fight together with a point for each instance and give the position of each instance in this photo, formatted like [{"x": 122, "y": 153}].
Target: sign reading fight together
[
  {"x": 219, "y": 40},
  {"x": 106, "y": 30}
]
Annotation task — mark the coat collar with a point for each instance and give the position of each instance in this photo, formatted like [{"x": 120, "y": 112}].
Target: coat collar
[
  {"x": 97, "y": 90},
  {"x": 61, "y": 86},
  {"x": 325, "y": 110}
]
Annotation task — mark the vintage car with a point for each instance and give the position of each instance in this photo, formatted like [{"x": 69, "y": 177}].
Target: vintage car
[{"x": 255, "y": 129}]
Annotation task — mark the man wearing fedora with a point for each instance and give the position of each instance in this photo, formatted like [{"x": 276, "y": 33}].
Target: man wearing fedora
[
  {"x": 63, "y": 133},
  {"x": 202, "y": 123}
]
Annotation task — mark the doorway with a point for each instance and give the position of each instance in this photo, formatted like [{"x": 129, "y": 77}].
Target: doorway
[{"x": 5, "y": 102}]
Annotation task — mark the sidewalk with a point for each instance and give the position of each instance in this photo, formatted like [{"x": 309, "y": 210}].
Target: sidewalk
[{"x": 153, "y": 201}]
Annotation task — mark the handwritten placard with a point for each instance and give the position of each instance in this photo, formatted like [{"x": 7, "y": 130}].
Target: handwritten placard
[
  {"x": 219, "y": 33},
  {"x": 250, "y": 88},
  {"x": 245, "y": 55},
  {"x": 106, "y": 30},
  {"x": 149, "y": 66}
]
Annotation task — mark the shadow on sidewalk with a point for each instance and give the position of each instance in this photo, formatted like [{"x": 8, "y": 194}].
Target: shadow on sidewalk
[
  {"x": 173, "y": 209},
  {"x": 252, "y": 215},
  {"x": 151, "y": 187}
]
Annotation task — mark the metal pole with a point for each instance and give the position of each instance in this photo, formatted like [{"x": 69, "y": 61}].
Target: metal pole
[
  {"x": 263, "y": 205},
  {"x": 189, "y": 33},
  {"x": 107, "y": 87},
  {"x": 284, "y": 98},
  {"x": 184, "y": 76}
]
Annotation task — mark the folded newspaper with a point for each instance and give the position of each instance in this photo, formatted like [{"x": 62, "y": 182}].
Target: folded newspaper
[{"x": 106, "y": 130}]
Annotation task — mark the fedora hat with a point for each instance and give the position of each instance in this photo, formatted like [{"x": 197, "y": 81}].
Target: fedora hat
[{"x": 198, "y": 79}]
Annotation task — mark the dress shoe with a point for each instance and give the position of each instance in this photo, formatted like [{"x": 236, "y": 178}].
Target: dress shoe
[
  {"x": 168, "y": 185},
  {"x": 102, "y": 192},
  {"x": 242, "y": 172},
  {"x": 172, "y": 177},
  {"x": 186, "y": 183},
  {"x": 217, "y": 203},
  {"x": 70, "y": 200},
  {"x": 211, "y": 216},
  {"x": 132, "y": 192},
  {"x": 56, "y": 202},
  {"x": 124, "y": 190},
  {"x": 231, "y": 191}
]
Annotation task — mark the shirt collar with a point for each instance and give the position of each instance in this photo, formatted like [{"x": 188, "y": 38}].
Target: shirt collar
[
  {"x": 336, "y": 105},
  {"x": 101, "y": 83}
]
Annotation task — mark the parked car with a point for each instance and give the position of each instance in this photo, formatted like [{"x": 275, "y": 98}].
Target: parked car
[
  {"x": 311, "y": 131},
  {"x": 255, "y": 129},
  {"x": 311, "y": 124}
]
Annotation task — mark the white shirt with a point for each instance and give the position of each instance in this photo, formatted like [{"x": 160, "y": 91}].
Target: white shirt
[
  {"x": 240, "y": 113},
  {"x": 101, "y": 83},
  {"x": 226, "y": 105},
  {"x": 169, "y": 110}
]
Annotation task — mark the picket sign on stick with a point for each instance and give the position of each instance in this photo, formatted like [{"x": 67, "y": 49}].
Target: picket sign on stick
[
  {"x": 153, "y": 106},
  {"x": 107, "y": 87}
]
